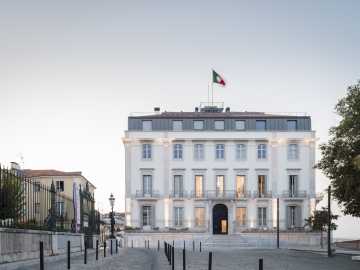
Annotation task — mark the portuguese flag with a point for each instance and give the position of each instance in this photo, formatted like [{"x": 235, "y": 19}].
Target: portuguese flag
[{"x": 217, "y": 78}]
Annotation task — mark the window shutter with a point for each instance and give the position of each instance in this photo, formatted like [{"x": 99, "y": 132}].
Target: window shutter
[
  {"x": 152, "y": 217},
  {"x": 141, "y": 217},
  {"x": 298, "y": 221},
  {"x": 296, "y": 185},
  {"x": 288, "y": 217},
  {"x": 181, "y": 185}
]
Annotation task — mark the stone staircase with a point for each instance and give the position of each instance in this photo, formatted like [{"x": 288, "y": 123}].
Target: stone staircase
[{"x": 227, "y": 241}]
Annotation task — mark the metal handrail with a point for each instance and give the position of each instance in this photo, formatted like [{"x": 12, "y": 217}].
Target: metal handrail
[
  {"x": 294, "y": 194},
  {"x": 264, "y": 194},
  {"x": 178, "y": 194},
  {"x": 147, "y": 194}
]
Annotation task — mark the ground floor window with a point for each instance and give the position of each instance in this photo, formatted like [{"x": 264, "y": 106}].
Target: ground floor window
[
  {"x": 241, "y": 216},
  {"x": 146, "y": 215},
  {"x": 199, "y": 216},
  {"x": 262, "y": 216},
  {"x": 178, "y": 216},
  {"x": 37, "y": 208}
]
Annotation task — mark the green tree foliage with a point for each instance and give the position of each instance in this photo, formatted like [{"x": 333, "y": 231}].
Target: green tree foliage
[
  {"x": 11, "y": 196},
  {"x": 319, "y": 219},
  {"x": 341, "y": 154}
]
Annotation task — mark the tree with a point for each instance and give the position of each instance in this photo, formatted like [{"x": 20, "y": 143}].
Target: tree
[
  {"x": 319, "y": 219},
  {"x": 341, "y": 154}
]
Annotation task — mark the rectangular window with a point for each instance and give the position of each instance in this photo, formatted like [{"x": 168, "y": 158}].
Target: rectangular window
[
  {"x": 198, "y": 124},
  {"x": 220, "y": 185},
  {"x": 220, "y": 151},
  {"x": 219, "y": 125},
  {"x": 147, "y": 185},
  {"x": 60, "y": 208},
  {"x": 178, "y": 148},
  {"x": 37, "y": 187},
  {"x": 260, "y": 125},
  {"x": 240, "y": 185},
  {"x": 37, "y": 208},
  {"x": 199, "y": 216},
  {"x": 178, "y": 185},
  {"x": 146, "y": 151},
  {"x": 23, "y": 188},
  {"x": 262, "y": 216},
  {"x": 261, "y": 151},
  {"x": 240, "y": 125},
  {"x": 147, "y": 125},
  {"x": 199, "y": 151},
  {"x": 59, "y": 185},
  {"x": 178, "y": 216},
  {"x": 146, "y": 215},
  {"x": 261, "y": 185},
  {"x": 291, "y": 125},
  {"x": 199, "y": 188},
  {"x": 240, "y": 151},
  {"x": 177, "y": 125},
  {"x": 293, "y": 151},
  {"x": 241, "y": 216},
  {"x": 293, "y": 189},
  {"x": 24, "y": 209}
]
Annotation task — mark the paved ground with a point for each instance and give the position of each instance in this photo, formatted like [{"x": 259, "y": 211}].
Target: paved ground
[{"x": 152, "y": 259}]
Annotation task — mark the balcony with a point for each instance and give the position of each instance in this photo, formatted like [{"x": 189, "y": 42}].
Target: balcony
[
  {"x": 223, "y": 194},
  {"x": 198, "y": 194},
  {"x": 147, "y": 194},
  {"x": 262, "y": 195},
  {"x": 176, "y": 194},
  {"x": 243, "y": 194},
  {"x": 297, "y": 195}
]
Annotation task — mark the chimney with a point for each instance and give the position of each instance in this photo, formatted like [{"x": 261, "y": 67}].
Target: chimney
[
  {"x": 157, "y": 110},
  {"x": 196, "y": 111},
  {"x": 227, "y": 111}
]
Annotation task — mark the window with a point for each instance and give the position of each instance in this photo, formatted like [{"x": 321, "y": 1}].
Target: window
[
  {"x": 146, "y": 213},
  {"x": 178, "y": 185},
  {"x": 261, "y": 151},
  {"x": 177, "y": 125},
  {"x": 23, "y": 188},
  {"x": 146, "y": 151},
  {"x": 219, "y": 125},
  {"x": 220, "y": 151},
  {"x": 260, "y": 125},
  {"x": 199, "y": 151},
  {"x": 240, "y": 185},
  {"x": 241, "y": 216},
  {"x": 147, "y": 185},
  {"x": 199, "y": 216},
  {"x": 262, "y": 216},
  {"x": 240, "y": 151},
  {"x": 261, "y": 185},
  {"x": 240, "y": 125},
  {"x": 59, "y": 185},
  {"x": 220, "y": 184},
  {"x": 293, "y": 186},
  {"x": 37, "y": 187},
  {"x": 293, "y": 151},
  {"x": 292, "y": 216},
  {"x": 24, "y": 209},
  {"x": 178, "y": 216},
  {"x": 147, "y": 125},
  {"x": 178, "y": 151},
  {"x": 37, "y": 208},
  {"x": 291, "y": 125},
  {"x": 198, "y": 124},
  {"x": 199, "y": 188},
  {"x": 60, "y": 209}
]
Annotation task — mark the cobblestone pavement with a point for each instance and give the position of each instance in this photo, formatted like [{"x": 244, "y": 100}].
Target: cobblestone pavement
[{"x": 152, "y": 259}]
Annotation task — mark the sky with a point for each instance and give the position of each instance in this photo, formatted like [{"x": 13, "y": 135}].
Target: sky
[{"x": 71, "y": 72}]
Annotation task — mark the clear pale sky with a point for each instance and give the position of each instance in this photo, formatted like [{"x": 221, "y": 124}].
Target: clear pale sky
[{"x": 71, "y": 72}]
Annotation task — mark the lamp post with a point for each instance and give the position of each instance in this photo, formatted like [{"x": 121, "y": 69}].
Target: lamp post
[{"x": 112, "y": 219}]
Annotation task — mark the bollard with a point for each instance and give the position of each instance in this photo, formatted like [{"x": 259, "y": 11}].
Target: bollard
[
  {"x": 104, "y": 248},
  {"x": 116, "y": 241},
  {"x": 210, "y": 260},
  {"x": 111, "y": 246},
  {"x": 158, "y": 244},
  {"x": 260, "y": 264},
  {"x": 170, "y": 255},
  {"x": 85, "y": 253},
  {"x": 184, "y": 259},
  {"x": 68, "y": 255},
  {"x": 193, "y": 245},
  {"x": 172, "y": 259},
  {"x": 148, "y": 244},
  {"x": 164, "y": 247},
  {"x": 41, "y": 256},
  {"x": 97, "y": 249},
  {"x": 200, "y": 246}
]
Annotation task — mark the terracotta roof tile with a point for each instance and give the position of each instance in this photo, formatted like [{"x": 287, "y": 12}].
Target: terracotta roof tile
[{"x": 36, "y": 173}]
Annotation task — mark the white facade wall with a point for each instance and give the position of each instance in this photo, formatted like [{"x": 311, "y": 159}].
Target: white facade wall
[{"x": 162, "y": 167}]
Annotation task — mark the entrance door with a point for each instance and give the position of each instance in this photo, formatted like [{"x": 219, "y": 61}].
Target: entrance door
[{"x": 220, "y": 219}]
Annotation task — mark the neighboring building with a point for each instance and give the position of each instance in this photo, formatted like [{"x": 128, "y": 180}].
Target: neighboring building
[{"x": 218, "y": 171}]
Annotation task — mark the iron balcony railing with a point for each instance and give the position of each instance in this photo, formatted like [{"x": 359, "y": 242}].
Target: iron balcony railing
[
  {"x": 263, "y": 194},
  {"x": 243, "y": 194},
  {"x": 319, "y": 196},
  {"x": 294, "y": 194},
  {"x": 147, "y": 194},
  {"x": 198, "y": 194},
  {"x": 61, "y": 215},
  {"x": 221, "y": 194},
  {"x": 178, "y": 194}
]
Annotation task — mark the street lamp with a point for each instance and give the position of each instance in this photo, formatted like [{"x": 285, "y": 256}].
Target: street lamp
[{"x": 112, "y": 219}]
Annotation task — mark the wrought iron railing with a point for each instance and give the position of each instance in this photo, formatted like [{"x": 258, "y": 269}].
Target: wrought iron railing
[
  {"x": 178, "y": 194},
  {"x": 263, "y": 194},
  {"x": 300, "y": 194},
  {"x": 198, "y": 194},
  {"x": 147, "y": 194},
  {"x": 243, "y": 194},
  {"x": 231, "y": 194}
]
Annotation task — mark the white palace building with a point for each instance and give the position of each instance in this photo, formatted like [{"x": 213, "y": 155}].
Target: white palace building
[{"x": 218, "y": 171}]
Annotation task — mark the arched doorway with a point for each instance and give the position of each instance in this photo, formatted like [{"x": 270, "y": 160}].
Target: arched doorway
[{"x": 220, "y": 219}]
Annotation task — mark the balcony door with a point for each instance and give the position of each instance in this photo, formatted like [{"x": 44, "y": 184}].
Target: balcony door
[
  {"x": 147, "y": 185},
  {"x": 199, "y": 186},
  {"x": 293, "y": 186},
  {"x": 220, "y": 185},
  {"x": 261, "y": 185},
  {"x": 178, "y": 186},
  {"x": 240, "y": 185}
]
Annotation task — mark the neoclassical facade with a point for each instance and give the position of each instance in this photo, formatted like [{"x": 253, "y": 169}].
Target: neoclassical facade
[{"x": 218, "y": 171}]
